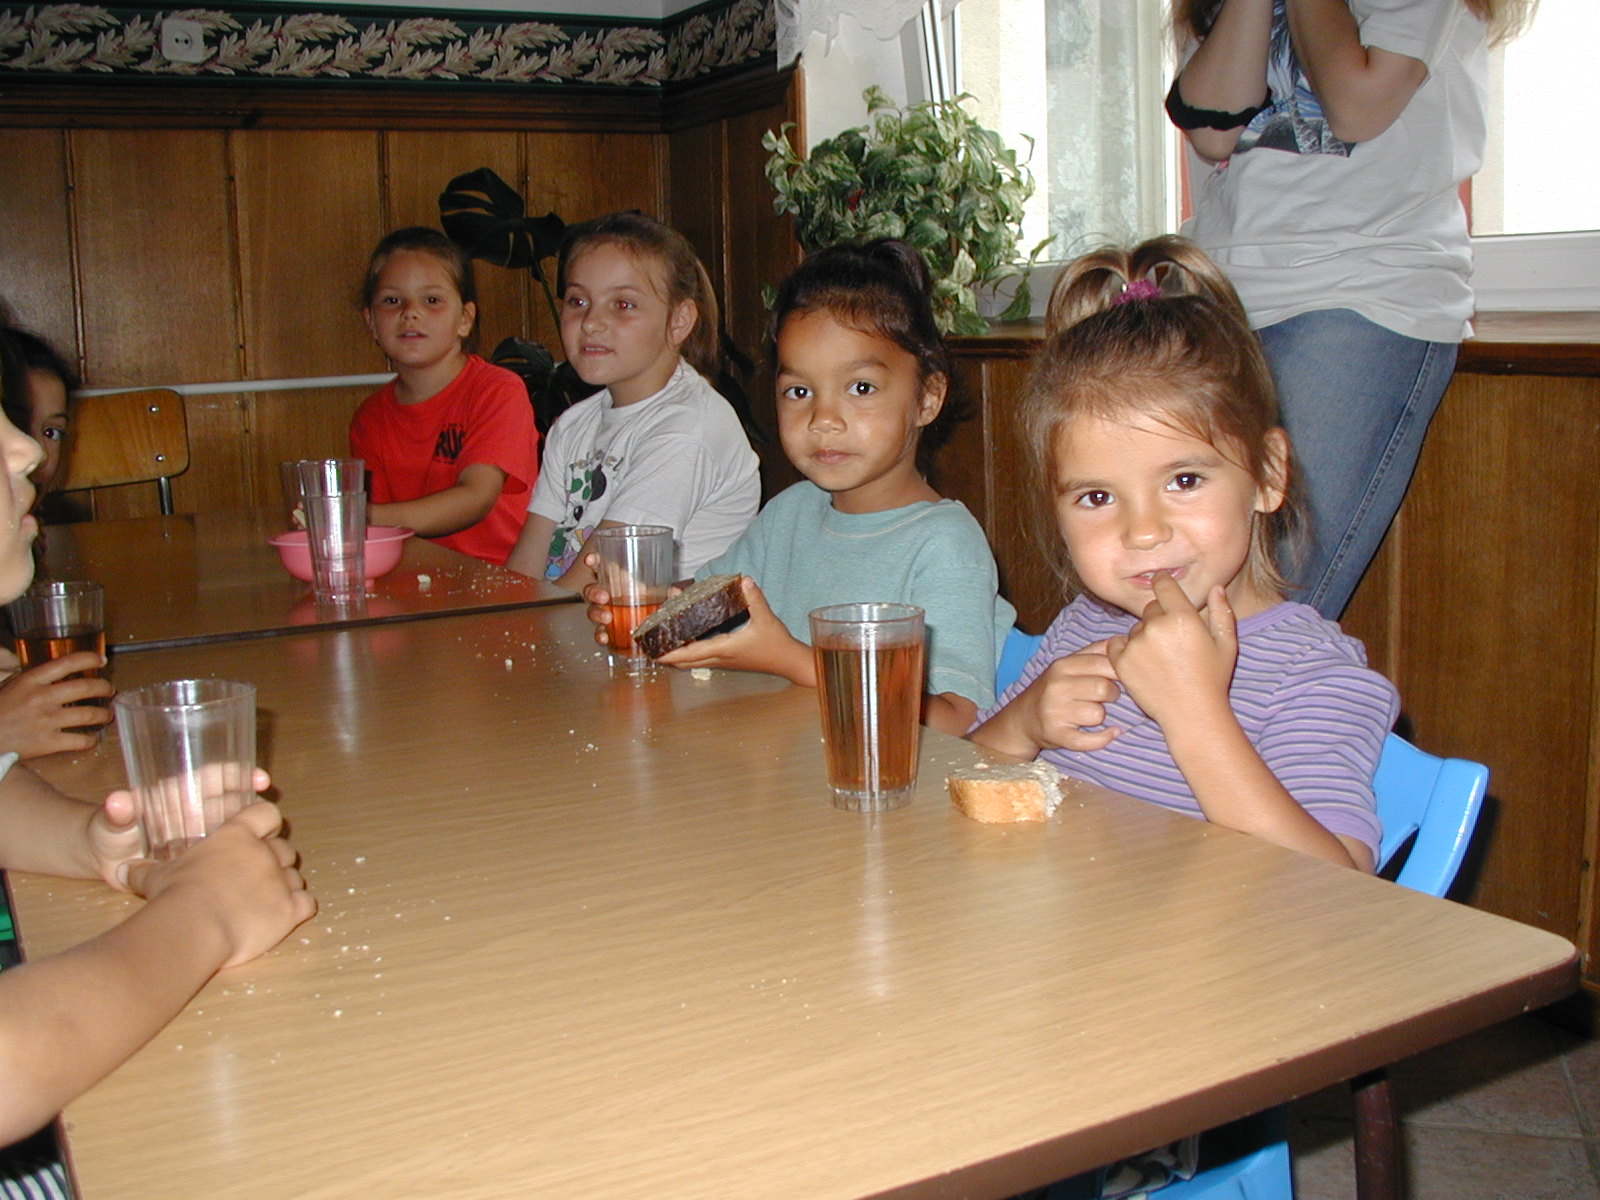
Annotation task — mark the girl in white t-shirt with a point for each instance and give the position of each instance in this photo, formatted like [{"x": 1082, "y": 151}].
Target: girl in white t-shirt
[
  {"x": 1330, "y": 139},
  {"x": 659, "y": 445}
]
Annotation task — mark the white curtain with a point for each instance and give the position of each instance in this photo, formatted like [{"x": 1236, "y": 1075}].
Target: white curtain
[
  {"x": 1103, "y": 161},
  {"x": 883, "y": 19}
]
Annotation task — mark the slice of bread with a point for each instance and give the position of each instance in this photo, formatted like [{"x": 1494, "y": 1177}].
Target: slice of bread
[
  {"x": 702, "y": 608},
  {"x": 1000, "y": 793}
]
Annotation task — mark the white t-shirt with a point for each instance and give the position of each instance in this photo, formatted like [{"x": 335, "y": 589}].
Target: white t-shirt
[
  {"x": 1303, "y": 222},
  {"x": 677, "y": 458}
]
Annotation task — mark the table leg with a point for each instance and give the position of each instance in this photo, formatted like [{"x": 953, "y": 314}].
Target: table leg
[{"x": 1377, "y": 1138}]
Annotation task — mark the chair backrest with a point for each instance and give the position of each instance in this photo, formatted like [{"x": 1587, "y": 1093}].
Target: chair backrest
[
  {"x": 1014, "y": 655},
  {"x": 1439, "y": 800},
  {"x": 127, "y": 437}
]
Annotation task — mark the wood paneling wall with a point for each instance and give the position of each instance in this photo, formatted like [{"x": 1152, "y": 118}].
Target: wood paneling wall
[{"x": 167, "y": 239}]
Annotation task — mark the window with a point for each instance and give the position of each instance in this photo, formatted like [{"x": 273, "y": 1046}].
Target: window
[
  {"x": 1085, "y": 79},
  {"x": 1541, "y": 173}
]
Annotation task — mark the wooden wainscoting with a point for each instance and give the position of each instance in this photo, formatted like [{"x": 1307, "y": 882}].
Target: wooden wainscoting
[{"x": 159, "y": 234}]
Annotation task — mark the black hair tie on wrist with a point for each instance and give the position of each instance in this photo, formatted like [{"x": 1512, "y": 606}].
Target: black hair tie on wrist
[{"x": 1186, "y": 117}]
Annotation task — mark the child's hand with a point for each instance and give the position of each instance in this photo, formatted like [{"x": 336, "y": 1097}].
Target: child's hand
[
  {"x": 1178, "y": 660},
  {"x": 39, "y": 711},
  {"x": 599, "y": 610},
  {"x": 1068, "y": 700},
  {"x": 598, "y": 600},
  {"x": 763, "y": 643},
  {"x": 245, "y": 878},
  {"x": 116, "y": 840},
  {"x": 1058, "y": 710}
]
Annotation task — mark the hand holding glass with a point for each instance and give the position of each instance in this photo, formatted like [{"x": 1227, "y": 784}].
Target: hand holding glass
[{"x": 189, "y": 746}]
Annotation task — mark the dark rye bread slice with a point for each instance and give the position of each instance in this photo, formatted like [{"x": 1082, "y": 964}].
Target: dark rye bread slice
[{"x": 699, "y": 609}]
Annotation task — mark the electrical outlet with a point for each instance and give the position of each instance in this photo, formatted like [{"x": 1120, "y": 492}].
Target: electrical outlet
[{"x": 183, "y": 41}]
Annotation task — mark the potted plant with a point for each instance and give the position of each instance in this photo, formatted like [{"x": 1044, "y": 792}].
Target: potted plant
[{"x": 929, "y": 174}]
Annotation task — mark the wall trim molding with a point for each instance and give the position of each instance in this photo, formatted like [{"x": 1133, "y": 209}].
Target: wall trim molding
[
  {"x": 288, "y": 45},
  {"x": 78, "y": 103}
]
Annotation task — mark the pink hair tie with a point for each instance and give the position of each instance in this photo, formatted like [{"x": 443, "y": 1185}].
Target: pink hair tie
[{"x": 1138, "y": 289}]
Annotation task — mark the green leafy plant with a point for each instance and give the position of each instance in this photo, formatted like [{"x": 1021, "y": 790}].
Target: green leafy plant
[
  {"x": 486, "y": 217},
  {"x": 929, "y": 174}
]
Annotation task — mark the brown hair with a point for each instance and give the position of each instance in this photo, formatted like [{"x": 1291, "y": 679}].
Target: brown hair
[
  {"x": 1157, "y": 330},
  {"x": 1505, "y": 18},
  {"x": 680, "y": 273},
  {"x": 419, "y": 238}
]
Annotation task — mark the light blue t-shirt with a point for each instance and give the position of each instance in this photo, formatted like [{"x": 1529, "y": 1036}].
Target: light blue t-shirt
[{"x": 805, "y": 554}]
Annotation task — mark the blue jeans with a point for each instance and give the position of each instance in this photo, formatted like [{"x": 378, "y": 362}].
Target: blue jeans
[{"x": 1356, "y": 400}]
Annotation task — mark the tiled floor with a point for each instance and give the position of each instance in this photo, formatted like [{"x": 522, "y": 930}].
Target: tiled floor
[{"x": 1512, "y": 1113}]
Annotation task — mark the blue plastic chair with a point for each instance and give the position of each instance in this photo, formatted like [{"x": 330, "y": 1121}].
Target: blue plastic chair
[
  {"x": 1014, "y": 655},
  {"x": 1436, "y": 799},
  {"x": 1428, "y": 804}
]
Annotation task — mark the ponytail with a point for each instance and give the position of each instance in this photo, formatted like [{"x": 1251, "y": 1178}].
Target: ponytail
[{"x": 1160, "y": 267}]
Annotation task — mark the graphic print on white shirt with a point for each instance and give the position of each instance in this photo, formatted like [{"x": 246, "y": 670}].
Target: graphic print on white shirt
[{"x": 1294, "y": 121}]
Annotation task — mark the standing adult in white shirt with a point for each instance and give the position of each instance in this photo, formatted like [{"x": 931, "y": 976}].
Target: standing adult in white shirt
[{"x": 1329, "y": 142}]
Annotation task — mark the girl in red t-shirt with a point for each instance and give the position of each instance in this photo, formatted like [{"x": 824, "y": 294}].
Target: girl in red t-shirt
[{"x": 450, "y": 442}]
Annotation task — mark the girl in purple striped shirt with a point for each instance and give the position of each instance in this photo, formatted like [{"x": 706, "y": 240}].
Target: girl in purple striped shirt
[{"x": 1180, "y": 674}]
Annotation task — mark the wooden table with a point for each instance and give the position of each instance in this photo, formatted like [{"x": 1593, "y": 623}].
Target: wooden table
[
  {"x": 203, "y": 577},
  {"x": 584, "y": 936}
]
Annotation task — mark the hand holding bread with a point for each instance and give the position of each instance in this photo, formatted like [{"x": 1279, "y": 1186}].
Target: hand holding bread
[{"x": 762, "y": 643}]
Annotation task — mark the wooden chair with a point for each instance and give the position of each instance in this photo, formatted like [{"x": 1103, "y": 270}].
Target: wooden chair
[{"x": 128, "y": 437}]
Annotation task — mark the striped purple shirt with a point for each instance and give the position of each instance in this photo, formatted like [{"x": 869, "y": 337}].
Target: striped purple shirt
[{"x": 1302, "y": 691}]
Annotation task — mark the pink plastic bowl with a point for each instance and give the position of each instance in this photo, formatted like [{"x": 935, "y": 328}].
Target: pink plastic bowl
[{"x": 384, "y": 544}]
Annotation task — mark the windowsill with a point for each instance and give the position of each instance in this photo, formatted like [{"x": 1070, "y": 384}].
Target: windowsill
[{"x": 1505, "y": 343}]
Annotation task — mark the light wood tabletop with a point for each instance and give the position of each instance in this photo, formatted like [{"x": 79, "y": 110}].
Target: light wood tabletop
[
  {"x": 201, "y": 577},
  {"x": 583, "y": 935}
]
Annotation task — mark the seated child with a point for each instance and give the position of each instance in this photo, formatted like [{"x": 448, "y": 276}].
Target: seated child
[
  {"x": 68, "y": 1021},
  {"x": 861, "y": 379},
  {"x": 450, "y": 444},
  {"x": 1180, "y": 674},
  {"x": 659, "y": 445},
  {"x": 40, "y": 709}
]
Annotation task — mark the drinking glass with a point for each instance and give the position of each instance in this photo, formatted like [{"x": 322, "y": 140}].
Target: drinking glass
[
  {"x": 636, "y": 569},
  {"x": 869, "y": 660},
  {"x": 189, "y": 747},
  {"x": 335, "y": 498}
]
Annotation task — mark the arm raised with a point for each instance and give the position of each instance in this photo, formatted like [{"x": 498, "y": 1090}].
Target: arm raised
[{"x": 1362, "y": 89}]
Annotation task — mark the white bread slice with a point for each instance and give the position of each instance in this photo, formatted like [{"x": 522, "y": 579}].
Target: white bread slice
[{"x": 1002, "y": 793}]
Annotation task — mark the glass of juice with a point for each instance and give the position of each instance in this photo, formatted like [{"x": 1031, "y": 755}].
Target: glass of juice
[
  {"x": 869, "y": 660},
  {"x": 55, "y": 618},
  {"x": 636, "y": 564}
]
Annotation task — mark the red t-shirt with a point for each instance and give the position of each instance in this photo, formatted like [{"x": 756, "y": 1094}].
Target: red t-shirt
[{"x": 414, "y": 450}]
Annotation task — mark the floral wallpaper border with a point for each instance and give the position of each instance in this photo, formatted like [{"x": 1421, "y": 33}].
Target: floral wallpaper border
[{"x": 388, "y": 46}]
